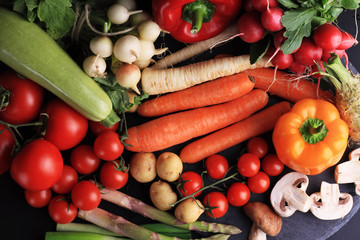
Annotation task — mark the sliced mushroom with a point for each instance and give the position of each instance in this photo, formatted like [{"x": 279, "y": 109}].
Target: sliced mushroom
[
  {"x": 265, "y": 221},
  {"x": 329, "y": 203},
  {"x": 349, "y": 171},
  {"x": 289, "y": 194}
]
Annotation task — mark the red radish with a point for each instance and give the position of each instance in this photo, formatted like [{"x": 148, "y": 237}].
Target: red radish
[
  {"x": 271, "y": 19},
  {"x": 282, "y": 61},
  {"x": 327, "y": 54},
  {"x": 347, "y": 41},
  {"x": 250, "y": 27},
  {"x": 327, "y": 36},
  {"x": 262, "y": 5},
  {"x": 297, "y": 68},
  {"x": 248, "y": 6},
  {"x": 315, "y": 68},
  {"x": 308, "y": 53}
]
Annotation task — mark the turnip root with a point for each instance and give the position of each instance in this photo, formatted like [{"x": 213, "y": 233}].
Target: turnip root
[
  {"x": 129, "y": 4},
  {"x": 148, "y": 50},
  {"x": 94, "y": 66},
  {"x": 149, "y": 30},
  {"x": 347, "y": 97},
  {"x": 162, "y": 195},
  {"x": 127, "y": 48},
  {"x": 157, "y": 81},
  {"x": 118, "y": 14},
  {"x": 102, "y": 46},
  {"x": 189, "y": 210},
  {"x": 128, "y": 76}
]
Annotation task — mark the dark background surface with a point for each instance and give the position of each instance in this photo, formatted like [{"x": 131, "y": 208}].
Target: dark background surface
[{"x": 20, "y": 221}]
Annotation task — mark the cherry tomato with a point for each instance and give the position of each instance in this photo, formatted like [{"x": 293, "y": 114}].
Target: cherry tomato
[
  {"x": 62, "y": 211},
  {"x": 37, "y": 166},
  {"x": 259, "y": 183},
  {"x": 238, "y": 194},
  {"x": 257, "y": 146},
  {"x": 65, "y": 127},
  {"x": 218, "y": 204},
  {"x": 7, "y": 145},
  {"x": 216, "y": 166},
  {"x": 86, "y": 195},
  {"x": 38, "y": 199},
  {"x": 97, "y": 127},
  {"x": 24, "y": 101},
  {"x": 107, "y": 146},
  {"x": 248, "y": 164},
  {"x": 84, "y": 160},
  {"x": 114, "y": 174},
  {"x": 191, "y": 182},
  {"x": 67, "y": 180},
  {"x": 272, "y": 165}
]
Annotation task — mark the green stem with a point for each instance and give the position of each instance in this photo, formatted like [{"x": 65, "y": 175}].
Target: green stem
[
  {"x": 198, "y": 12},
  {"x": 79, "y": 236}
]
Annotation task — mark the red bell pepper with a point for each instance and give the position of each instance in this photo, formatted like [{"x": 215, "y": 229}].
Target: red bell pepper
[{"x": 193, "y": 21}]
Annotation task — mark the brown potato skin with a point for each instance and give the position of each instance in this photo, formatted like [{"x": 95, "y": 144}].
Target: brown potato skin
[
  {"x": 143, "y": 167},
  {"x": 161, "y": 195},
  {"x": 169, "y": 166},
  {"x": 189, "y": 211}
]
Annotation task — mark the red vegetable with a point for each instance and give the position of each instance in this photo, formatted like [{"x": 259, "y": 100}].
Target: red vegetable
[
  {"x": 216, "y": 166},
  {"x": 107, "y": 146},
  {"x": 38, "y": 199},
  {"x": 238, "y": 194},
  {"x": 218, "y": 204},
  {"x": 248, "y": 164},
  {"x": 67, "y": 181},
  {"x": 86, "y": 195},
  {"x": 259, "y": 183},
  {"x": 190, "y": 182},
  {"x": 84, "y": 160},
  {"x": 187, "y": 21},
  {"x": 250, "y": 28},
  {"x": 114, "y": 174},
  {"x": 7, "y": 145},
  {"x": 62, "y": 211}
]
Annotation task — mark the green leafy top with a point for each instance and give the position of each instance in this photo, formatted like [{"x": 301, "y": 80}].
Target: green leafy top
[{"x": 301, "y": 17}]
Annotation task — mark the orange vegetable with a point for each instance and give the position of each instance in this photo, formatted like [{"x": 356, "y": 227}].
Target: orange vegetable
[
  {"x": 218, "y": 141},
  {"x": 209, "y": 93},
  {"x": 311, "y": 137},
  {"x": 179, "y": 127},
  {"x": 286, "y": 86}
]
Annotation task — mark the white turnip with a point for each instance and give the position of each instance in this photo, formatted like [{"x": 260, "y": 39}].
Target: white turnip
[
  {"x": 128, "y": 76},
  {"x": 127, "y": 49},
  {"x": 118, "y": 14},
  {"x": 102, "y": 46},
  {"x": 94, "y": 66},
  {"x": 149, "y": 30}
]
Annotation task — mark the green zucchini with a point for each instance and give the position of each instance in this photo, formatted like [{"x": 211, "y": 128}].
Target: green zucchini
[{"x": 30, "y": 51}]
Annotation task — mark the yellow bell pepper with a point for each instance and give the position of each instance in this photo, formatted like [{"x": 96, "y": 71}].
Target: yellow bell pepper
[{"x": 311, "y": 137}]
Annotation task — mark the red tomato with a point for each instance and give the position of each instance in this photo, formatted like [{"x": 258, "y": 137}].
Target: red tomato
[
  {"x": 65, "y": 127},
  {"x": 216, "y": 166},
  {"x": 238, "y": 194},
  {"x": 37, "y": 166},
  {"x": 191, "y": 182},
  {"x": 86, "y": 195},
  {"x": 272, "y": 165},
  {"x": 114, "y": 174},
  {"x": 107, "y": 146},
  {"x": 7, "y": 145},
  {"x": 84, "y": 160},
  {"x": 248, "y": 164},
  {"x": 259, "y": 183},
  {"x": 257, "y": 146},
  {"x": 218, "y": 204},
  {"x": 97, "y": 127},
  {"x": 67, "y": 180},
  {"x": 61, "y": 211},
  {"x": 24, "y": 101},
  {"x": 38, "y": 199}
]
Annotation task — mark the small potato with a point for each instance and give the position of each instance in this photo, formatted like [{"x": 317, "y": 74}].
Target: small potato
[
  {"x": 188, "y": 210},
  {"x": 162, "y": 195},
  {"x": 143, "y": 167},
  {"x": 169, "y": 166}
]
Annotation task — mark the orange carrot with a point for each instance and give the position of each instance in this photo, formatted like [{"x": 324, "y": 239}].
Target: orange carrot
[
  {"x": 286, "y": 86},
  {"x": 209, "y": 93},
  {"x": 176, "y": 128},
  {"x": 218, "y": 141}
]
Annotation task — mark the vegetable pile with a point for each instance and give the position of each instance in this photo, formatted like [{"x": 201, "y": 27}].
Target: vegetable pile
[{"x": 158, "y": 115}]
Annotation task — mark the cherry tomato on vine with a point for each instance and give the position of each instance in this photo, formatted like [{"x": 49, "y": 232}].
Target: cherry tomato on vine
[
  {"x": 7, "y": 145},
  {"x": 97, "y": 127},
  {"x": 216, "y": 166},
  {"x": 86, "y": 195},
  {"x": 190, "y": 182},
  {"x": 257, "y": 146},
  {"x": 62, "y": 211},
  {"x": 114, "y": 174},
  {"x": 238, "y": 194},
  {"x": 38, "y": 199},
  {"x": 27, "y": 167},
  {"x": 248, "y": 164},
  {"x": 23, "y": 98},
  {"x": 67, "y": 181},
  {"x": 84, "y": 160},
  {"x": 65, "y": 127},
  {"x": 107, "y": 146},
  {"x": 218, "y": 204},
  {"x": 272, "y": 165},
  {"x": 259, "y": 183}
]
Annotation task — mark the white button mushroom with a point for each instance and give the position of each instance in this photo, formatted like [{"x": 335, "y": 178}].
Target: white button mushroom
[
  {"x": 289, "y": 194},
  {"x": 329, "y": 203}
]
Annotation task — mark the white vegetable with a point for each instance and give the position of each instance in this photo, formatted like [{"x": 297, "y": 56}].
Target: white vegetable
[
  {"x": 148, "y": 50},
  {"x": 102, "y": 46},
  {"x": 127, "y": 48},
  {"x": 142, "y": 64},
  {"x": 138, "y": 18},
  {"x": 129, "y": 4},
  {"x": 128, "y": 76},
  {"x": 118, "y": 14},
  {"x": 94, "y": 66},
  {"x": 149, "y": 30}
]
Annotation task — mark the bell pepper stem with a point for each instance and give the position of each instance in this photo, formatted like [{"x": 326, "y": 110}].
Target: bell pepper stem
[
  {"x": 197, "y": 21},
  {"x": 197, "y": 13}
]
